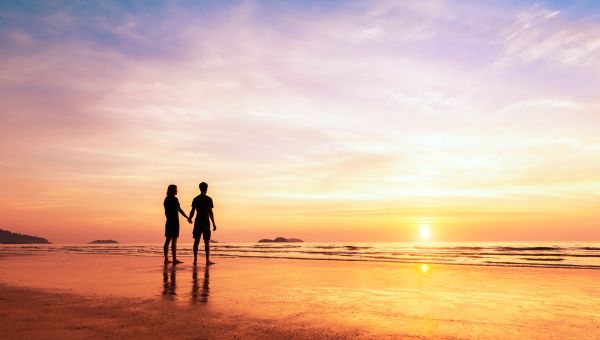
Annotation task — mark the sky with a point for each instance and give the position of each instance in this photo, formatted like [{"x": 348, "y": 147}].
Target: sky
[{"x": 327, "y": 121}]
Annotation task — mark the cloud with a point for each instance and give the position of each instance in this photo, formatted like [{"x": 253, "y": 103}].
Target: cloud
[{"x": 540, "y": 34}]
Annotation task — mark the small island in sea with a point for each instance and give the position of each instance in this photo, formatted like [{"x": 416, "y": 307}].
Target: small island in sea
[
  {"x": 8, "y": 237},
  {"x": 104, "y": 242},
  {"x": 279, "y": 240}
]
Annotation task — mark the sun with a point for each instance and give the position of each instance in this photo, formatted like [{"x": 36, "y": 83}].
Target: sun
[{"x": 424, "y": 231}]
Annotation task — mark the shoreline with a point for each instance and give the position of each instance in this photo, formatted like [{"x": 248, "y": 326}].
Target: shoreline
[
  {"x": 497, "y": 254},
  {"x": 481, "y": 265},
  {"x": 294, "y": 299}
]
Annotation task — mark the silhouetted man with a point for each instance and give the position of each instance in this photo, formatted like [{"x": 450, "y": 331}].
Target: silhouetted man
[{"x": 203, "y": 205}]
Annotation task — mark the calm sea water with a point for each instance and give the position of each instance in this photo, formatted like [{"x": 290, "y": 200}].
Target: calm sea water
[{"x": 531, "y": 254}]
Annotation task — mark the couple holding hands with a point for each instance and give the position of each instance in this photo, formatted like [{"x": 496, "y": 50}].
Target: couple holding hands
[{"x": 203, "y": 205}]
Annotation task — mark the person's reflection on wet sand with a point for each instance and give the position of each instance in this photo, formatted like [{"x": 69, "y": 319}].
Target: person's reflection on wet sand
[
  {"x": 169, "y": 282},
  {"x": 196, "y": 285}
]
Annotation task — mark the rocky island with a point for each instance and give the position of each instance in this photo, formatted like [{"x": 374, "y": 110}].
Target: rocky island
[
  {"x": 279, "y": 240},
  {"x": 7, "y": 237},
  {"x": 104, "y": 242}
]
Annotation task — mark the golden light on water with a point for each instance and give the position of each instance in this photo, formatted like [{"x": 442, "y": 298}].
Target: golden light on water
[{"x": 424, "y": 268}]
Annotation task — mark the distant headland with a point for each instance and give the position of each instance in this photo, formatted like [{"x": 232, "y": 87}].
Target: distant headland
[
  {"x": 279, "y": 240},
  {"x": 7, "y": 237},
  {"x": 104, "y": 242}
]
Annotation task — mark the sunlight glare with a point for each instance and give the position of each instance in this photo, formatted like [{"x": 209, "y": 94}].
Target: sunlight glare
[{"x": 424, "y": 232}]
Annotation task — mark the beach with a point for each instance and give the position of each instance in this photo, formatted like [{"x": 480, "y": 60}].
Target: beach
[{"x": 83, "y": 295}]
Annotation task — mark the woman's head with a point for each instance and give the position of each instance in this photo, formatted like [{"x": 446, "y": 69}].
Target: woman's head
[{"x": 171, "y": 190}]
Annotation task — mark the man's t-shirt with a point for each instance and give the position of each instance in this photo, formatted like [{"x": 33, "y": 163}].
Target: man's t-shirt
[
  {"x": 202, "y": 204},
  {"x": 171, "y": 204}
]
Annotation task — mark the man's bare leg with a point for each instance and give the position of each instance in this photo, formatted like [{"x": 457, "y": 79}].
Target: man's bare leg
[
  {"x": 196, "y": 242},
  {"x": 207, "y": 251},
  {"x": 166, "y": 249},
  {"x": 174, "y": 251}
]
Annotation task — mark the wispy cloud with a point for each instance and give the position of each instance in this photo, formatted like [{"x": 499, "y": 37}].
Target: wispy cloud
[{"x": 543, "y": 35}]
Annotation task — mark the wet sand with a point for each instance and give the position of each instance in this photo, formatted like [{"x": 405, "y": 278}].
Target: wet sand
[{"x": 81, "y": 296}]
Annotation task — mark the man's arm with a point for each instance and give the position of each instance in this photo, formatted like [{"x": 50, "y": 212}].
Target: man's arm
[
  {"x": 212, "y": 218},
  {"x": 192, "y": 214}
]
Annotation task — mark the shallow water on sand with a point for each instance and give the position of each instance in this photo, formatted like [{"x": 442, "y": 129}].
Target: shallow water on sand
[
  {"x": 514, "y": 254},
  {"x": 417, "y": 299}
]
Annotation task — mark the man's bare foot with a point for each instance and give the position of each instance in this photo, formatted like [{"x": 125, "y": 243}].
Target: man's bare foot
[
  {"x": 167, "y": 261},
  {"x": 194, "y": 263},
  {"x": 177, "y": 262},
  {"x": 208, "y": 263}
]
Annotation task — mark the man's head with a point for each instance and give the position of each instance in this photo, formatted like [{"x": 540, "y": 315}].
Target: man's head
[{"x": 203, "y": 187}]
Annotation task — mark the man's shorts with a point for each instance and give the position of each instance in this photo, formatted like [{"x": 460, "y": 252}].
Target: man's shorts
[{"x": 201, "y": 230}]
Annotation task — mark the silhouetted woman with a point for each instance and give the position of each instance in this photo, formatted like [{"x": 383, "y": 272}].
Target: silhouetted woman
[{"x": 172, "y": 209}]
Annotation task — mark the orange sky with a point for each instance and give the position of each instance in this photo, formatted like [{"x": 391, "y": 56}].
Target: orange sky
[{"x": 348, "y": 121}]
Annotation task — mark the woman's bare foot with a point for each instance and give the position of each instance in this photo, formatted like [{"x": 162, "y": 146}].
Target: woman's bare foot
[
  {"x": 177, "y": 262},
  {"x": 208, "y": 263},
  {"x": 167, "y": 261},
  {"x": 194, "y": 263}
]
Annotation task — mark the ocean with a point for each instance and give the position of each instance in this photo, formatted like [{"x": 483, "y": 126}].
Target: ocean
[{"x": 514, "y": 254}]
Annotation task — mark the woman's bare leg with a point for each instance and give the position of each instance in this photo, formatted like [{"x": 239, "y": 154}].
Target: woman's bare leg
[{"x": 166, "y": 249}]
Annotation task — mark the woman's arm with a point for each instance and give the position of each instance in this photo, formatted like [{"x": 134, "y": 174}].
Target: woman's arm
[{"x": 183, "y": 213}]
